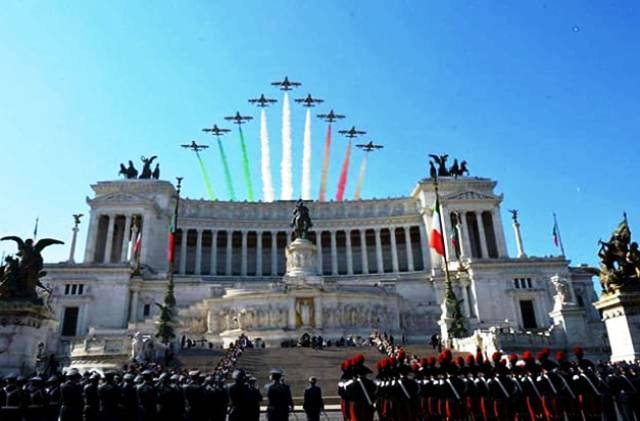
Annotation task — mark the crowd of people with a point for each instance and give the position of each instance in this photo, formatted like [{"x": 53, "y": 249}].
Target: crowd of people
[
  {"x": 502, "y": 387},
  {"x": 150, "y": 392}
]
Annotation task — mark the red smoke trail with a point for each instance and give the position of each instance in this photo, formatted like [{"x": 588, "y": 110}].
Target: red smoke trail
[
  {"x": 325, "y": 166},
  {"x": 343, "y": 173}
]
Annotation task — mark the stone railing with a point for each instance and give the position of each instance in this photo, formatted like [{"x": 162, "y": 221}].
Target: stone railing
[{"x": 496, "y": 339}]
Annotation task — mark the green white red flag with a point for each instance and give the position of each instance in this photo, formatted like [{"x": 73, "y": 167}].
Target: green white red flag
[
  {"x": 436, "y": 240},
  {"x": 171, "y": 247}
]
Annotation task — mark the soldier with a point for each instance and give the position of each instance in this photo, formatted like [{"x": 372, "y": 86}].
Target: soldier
[
  {"x": 360, "y": 392},
  {"x": 35, "y": 399},
  {"x": 147, "y": 398},
  {"x": 129, "y": 398},
  {"x": 237, "y": 397},
  {"x": 280, "y": 402},
  {"x": 109, "y": 396},
  {"x": 194, "y": 394},
  {"x": 254, "y": 397},
  {"x": 345, "y": 380},
  {"x": 71, "y": 398},
  {"x": 170, "y": 400},
  {"x": 91, "y": 401},
  {"x": 585, "y": 383},
  {"x": 52, "y": 392},
  {"x": 13, "y": 400},
  {"x": 217, "y": 396},
  {"x": 313, "y": 404}
]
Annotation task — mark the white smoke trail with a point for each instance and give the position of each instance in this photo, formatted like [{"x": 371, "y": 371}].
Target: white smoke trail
[
  {"x": 267, "y": 185},
  {"x": 286, "y": 192},
  {"x": 306, "y": 158},
  {"x": 363, "y": 170}
]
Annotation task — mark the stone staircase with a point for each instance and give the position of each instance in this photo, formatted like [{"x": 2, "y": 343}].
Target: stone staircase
[{"x": 299, "y": 364}]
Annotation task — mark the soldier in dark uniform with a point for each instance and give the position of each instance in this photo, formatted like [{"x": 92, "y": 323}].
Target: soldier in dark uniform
[
  {"x": 254, "y": 397},
  {"x": 13, "y": 401},
  {"x": 71, "y": 398},
  {"x": 147, "y": 398},
  {"x": 217, "y": 399},
  {"x": 129, "y": 398},
  {"x": 237, "y": 397},
  {"x": 194, "y": 394},
  {"x": 280, "y": 402},
  {"x": 52, "y": 391},
  {"x": 360, "y": 392},
  {"x": 313, "y": 404},
  {"x": 345, "y": 379},
  {"x": 35, "y": 400},
  {"x": 91, "y": 400},
  {"x": 109, "y": 396},
  {"x": 168, "y": 407}
]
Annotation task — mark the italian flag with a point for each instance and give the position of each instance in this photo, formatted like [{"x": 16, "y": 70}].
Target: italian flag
[
  {"x": 137, "y": 244},
  {"x": 436, "y": 240},
  {"x": 171, "y": 246}
]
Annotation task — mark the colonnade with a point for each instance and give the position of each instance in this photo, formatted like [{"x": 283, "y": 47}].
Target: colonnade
[{"x": 240, "y": 252}]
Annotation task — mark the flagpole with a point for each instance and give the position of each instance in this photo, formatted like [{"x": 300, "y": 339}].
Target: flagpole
[
  {"x": 447, "y": 279},
  {"x": 555, "y": 221}
]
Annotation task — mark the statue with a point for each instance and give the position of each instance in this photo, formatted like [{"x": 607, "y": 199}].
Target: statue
[
  {"x": 76, "y": 218},
  {"x": 128, "y": 172},
  {"x": 19, "y": 278},
  {"x": 156, "y": 172},
  {"x": 564, "y": 294},
  {"x": 146, "y": 168},
  {"x": 441, "y": 160},
  {"x": 619, "y": 260},
  {"x": 301, "y": 221},
  {"x": 514, "y": 215},
  {"x": 456, "y": 170}
]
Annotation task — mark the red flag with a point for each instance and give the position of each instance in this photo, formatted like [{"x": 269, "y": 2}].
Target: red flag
[
  {"x": 172, "y": 241},
  {"x": 137, "y": 244}
]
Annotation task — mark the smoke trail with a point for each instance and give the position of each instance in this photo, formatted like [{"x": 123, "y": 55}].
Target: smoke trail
[
  {"x": 306, "y": 158},
  {"x": 363, "y": 170},
  {"x": 227, "y": 173},
  {"x": 245, "y": 165},
  {"x": 325, "y": 166},
  {"x": 343, "y": 174},
  {"x": 267, "y": 184},
  {"x": 286, "y": 192},
  {"x": 205, "y": 177}
]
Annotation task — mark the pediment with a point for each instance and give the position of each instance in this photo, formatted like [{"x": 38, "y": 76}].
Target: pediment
[
  {"x": 470, "y": 195},
  {"x": 119, "y": 198}
]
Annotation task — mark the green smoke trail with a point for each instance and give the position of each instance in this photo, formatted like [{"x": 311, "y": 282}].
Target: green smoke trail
[
  {"x": 227, "y": 173},
  {"x": 205, "y": 176},
  {"x": 245, "y": 166}
]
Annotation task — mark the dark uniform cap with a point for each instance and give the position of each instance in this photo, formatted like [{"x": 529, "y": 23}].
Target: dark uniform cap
[
  {"x": 275, "y": 371},
  {"x": 128, "y": 376},
  {"x": 35, "y": 379},
  {"x": 237, "y": 374},
  {"x": 162, "y": 377}
]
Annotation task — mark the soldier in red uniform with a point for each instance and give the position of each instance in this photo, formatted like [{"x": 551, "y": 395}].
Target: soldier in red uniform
[
  {"x": 345, "y": 380},
  {"x": 360, "y": 392}
]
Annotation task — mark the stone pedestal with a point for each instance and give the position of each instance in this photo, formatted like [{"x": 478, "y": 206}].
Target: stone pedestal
[
  {"x": 621, "y": 315},
  {"x": 23, "y": 326},
  {"x": 571, "y": 320},
  {"x": 302, "y": 261}
]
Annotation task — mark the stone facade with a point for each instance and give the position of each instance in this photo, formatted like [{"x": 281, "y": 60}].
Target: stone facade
[{"x": 230, "y": 256}]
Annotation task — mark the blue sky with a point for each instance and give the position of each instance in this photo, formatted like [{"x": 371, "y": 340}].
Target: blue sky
[{"x": 541, "y": 96}]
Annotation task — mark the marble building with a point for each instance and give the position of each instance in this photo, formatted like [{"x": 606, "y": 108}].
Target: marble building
[{"x": 371, "y": 268}]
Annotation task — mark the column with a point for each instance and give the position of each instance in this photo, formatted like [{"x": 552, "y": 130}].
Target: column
[
  {"x": 319, "y": 250},
  {"x": 134, "y": 235},
  {"x": 229, "y": 253},
  {"x": 519, "y": 245},
  {"x": 109, "y": 245},
  {"x": 183, "y": 251},
  {"x": 133, "y": 311},
  {"x": 363, "y": 251},
  {"x": 463, "y": 233},
  {"x": 214, "y": 253},
  {"x": 379, "y": 260},
  {"x": 126, "y": 238},
  {"x": 394, "y": 250},
  {"x": 274, "y": 253},
  {"x": 483, "y": 237},
  {"x": 409, "y": 247},
  {"x": 466, "y": 309},
  {"x": 198, "y": 269},
  {"x": 334, "y": 254},
  {"x": 92, "y": 237},
  {"x": 424, "y": 247},
  {"x": 72, "y": 249},
  {"x": 347, "y": 234},
  {"x": 499, "y": 232},
  {"x": 243, "y": 261},
  {"x": 259, "y": 253},
  {"x": 317, "y": 307}
]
